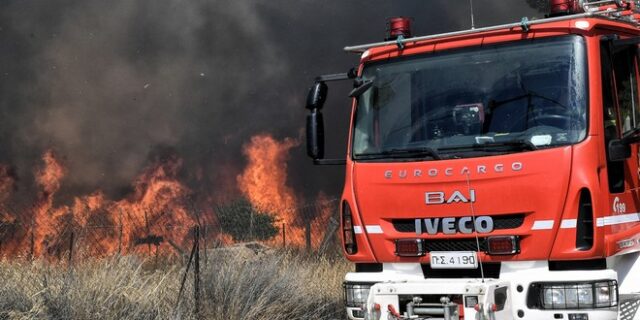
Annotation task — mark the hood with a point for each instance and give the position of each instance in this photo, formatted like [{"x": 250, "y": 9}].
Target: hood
[{"x": 523, "y": 193}]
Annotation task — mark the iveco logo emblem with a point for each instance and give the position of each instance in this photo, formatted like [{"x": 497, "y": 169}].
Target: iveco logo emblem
[
  {"x": 482, "y": 224},
  {"x": 439, "y": 197}
]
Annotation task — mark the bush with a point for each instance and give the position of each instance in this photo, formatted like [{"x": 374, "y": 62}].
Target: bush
[{"x": 244, "y": 222}]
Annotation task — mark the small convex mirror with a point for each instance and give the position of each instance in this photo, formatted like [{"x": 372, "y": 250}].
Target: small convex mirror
[
  {"x": 317, "y": 96},
  {"x": 619, "y": 150}
]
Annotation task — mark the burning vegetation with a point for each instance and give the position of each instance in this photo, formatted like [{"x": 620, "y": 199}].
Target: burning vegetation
[{"x": 159, "y": 213}]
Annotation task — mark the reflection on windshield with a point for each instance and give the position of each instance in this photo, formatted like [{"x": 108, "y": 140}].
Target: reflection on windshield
[{"x": 526, "y": 93}]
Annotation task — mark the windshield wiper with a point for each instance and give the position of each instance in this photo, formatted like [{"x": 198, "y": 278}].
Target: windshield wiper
[
  {"x": 491, "y": 146},
  {"x": 402, "y": 153}
]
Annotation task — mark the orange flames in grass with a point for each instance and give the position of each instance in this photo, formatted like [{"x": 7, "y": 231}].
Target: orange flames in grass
[
  {"x": 155, "y": 214},
  {"x": 159, "y": 214},
  {"x": 264, "y": 183}
]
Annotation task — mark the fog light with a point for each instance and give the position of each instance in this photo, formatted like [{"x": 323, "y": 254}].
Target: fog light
[
  {"x": 410, "y": 248},
  {"x": 501, "y": 245},
  {"x": 583, "y": 295},
  {"x": 356, "y": 294}
]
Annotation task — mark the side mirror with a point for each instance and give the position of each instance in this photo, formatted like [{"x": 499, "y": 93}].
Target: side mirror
[
  {"x": 619, "y": 150},
  {"x": 317, "y": 95},
  {"x": 315, "y": 125},
  {"x": 315, "y": 135}
]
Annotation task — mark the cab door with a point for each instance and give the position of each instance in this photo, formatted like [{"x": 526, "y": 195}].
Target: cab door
[{"x": 621, "y": 115}]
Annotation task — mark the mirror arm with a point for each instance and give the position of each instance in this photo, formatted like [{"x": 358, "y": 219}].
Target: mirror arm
[
  {"x": 351, "y": 74},
  {"x": 329, "y": 162}
]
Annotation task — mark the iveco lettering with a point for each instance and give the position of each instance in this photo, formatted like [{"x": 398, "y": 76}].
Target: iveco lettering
[{"x": 492, "y": 173}]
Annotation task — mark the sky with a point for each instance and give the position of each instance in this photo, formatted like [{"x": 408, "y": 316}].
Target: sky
[{"x": 112, "y": 85}]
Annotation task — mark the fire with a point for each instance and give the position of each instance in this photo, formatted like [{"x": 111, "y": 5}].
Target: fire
[
  {"x": 264, "y": 183},
  {"x": 159, "y": 215},
  {"x": 264, "y": 180},
  {"x": 47, "y": 218},
  {"x": 156, "y": 214}
]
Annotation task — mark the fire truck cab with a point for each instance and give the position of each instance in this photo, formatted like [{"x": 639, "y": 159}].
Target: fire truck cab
[{"x": 494, "y": 173}]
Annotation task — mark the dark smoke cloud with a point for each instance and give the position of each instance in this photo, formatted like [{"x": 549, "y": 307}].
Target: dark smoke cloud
[{"x": 108, "y": 83}]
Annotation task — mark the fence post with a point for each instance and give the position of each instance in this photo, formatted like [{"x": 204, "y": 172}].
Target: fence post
[
  {"x": 196, "y": 273},
  {"x": 120, "y": 235},
  {"x": 184, "y": 277},
  {"x": 146, "y": 222},
  {"x": 33, "y": 240},
  {"x": 251, "y": 224},
  {"x": 204, "y": 240},
  {"x": 284, "y": 235},
  {"x": 71, "y": 248},
  {"x": 308, "y": 235}
]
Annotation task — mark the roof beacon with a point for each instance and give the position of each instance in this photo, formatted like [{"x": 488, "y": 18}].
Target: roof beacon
[
  {"x": 563, "y": 7},
  {"x": 398, "y": 28}
]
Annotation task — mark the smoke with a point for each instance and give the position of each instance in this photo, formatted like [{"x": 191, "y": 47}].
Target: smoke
[{"x": 107, "y": 84}]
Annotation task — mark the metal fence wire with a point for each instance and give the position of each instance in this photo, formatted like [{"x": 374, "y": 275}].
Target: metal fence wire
[{"x": 314, "y": 228}]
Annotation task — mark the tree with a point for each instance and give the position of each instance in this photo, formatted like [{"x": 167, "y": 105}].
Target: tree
[{"x": 244, "y": 222}]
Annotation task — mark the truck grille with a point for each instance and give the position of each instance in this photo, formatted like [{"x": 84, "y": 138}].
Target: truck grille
[
  {"x": 454, "y": 245},
  {"x": 501, "y": 222}
]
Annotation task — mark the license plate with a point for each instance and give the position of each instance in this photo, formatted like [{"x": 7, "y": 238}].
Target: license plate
[{"x": 454, "y": 260}]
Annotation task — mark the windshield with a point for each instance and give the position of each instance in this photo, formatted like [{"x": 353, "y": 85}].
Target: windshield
[{"x": 482, "y": 101}]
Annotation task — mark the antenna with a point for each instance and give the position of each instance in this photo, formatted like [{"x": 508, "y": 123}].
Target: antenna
[
  {"x": 475, "y": 232},
  {"x": 473, "y": 25}
]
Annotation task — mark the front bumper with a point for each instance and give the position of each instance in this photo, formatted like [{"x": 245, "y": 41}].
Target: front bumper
[{"x": 476, "y": 296}]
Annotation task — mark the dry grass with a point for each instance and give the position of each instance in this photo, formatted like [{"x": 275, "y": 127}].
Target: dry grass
[{"x": 234, "y": 285}]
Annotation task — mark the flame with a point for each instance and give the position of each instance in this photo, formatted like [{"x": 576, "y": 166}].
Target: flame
[
  {"x": 47, "y": 218},
  {"x": 264, "y": 179},
  {"x": 264, "y": 183},
  {"x": 158, "y": 207},
  {"x": 155, "y": 214},
  {"x": 159, "y": 215}
]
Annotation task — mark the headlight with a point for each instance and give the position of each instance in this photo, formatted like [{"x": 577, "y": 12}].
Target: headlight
[
  {"x": 585, "y": 295},
  {"x": 604, "y": 295},
  {"x": 356, "y": 294},
  {"x": 582, "y": 295},
  {"x": 553, "y": 296}
]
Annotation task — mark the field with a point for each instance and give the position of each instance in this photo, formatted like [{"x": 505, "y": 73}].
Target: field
[{"x": 241, "y": 282}]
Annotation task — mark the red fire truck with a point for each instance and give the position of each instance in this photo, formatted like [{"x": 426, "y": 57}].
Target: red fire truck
[{"x": 494, "y": 173}]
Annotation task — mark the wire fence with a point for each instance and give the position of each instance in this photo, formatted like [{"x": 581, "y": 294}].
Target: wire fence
[{"x": 69, "y": 235}]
